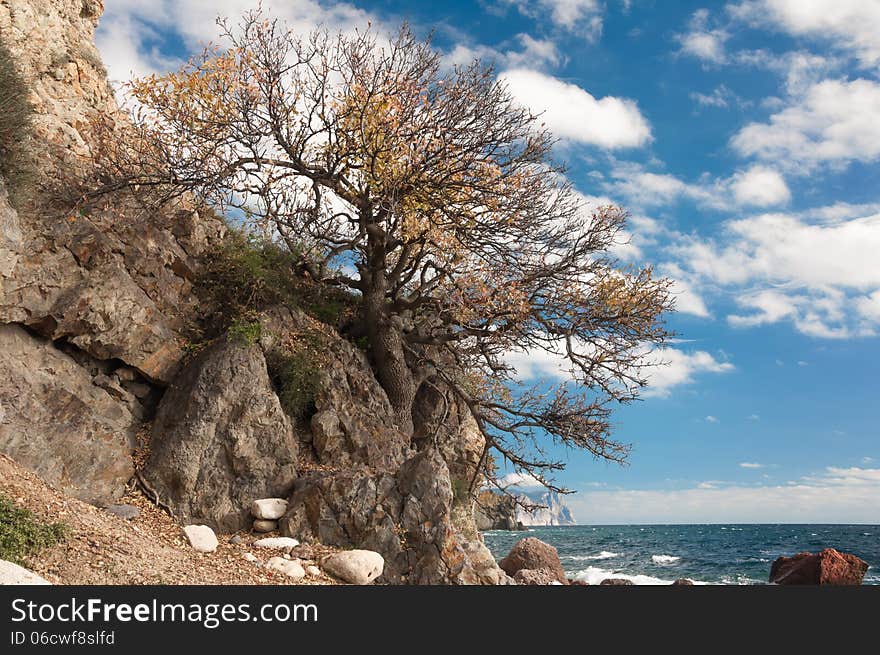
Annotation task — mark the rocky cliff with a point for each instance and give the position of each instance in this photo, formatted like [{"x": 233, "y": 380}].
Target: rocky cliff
[
  {"x": 550, "y": 510},
  {"x": 97, "y": 376}
]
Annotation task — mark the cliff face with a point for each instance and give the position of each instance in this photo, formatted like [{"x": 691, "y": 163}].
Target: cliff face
[
  {"x": 552, "y": 511},
  {"x": 94, "y": 309}
]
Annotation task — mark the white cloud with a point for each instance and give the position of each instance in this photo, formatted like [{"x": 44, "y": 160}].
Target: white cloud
[
  {"x": 581, "y": 17},
  {"x": 851, "y": 25},
  {"x": 532, "y": 53},
  {"x": 761, "y": 187},
  {"x": 573, "y": 114},
  {"x": 519, "y": 480},
  {"x": 835, "y": 122},
  {"x": 712, "y": 419},
  {"x": 758, "y": 186},
  {"x": 721, "y": 97},
  {"x": 753, "y": 417},
  {"x": 838, "y": 496},
  {"x": 126, "y": 35},
  {"x": 750, "y": 465},
  {"x": 821, "y": 276},
  {"x": 679, "y": 368},
  {"x": 702, "y": 42}
]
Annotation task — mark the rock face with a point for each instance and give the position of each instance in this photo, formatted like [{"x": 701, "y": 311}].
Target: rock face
[
  {"x": 552, "y": 510},
  {"x": 355, "y": 566},
  {"x": 221, "y": 439},
  {"x": 534, "y": 555},
  {"x": 103, "y": 294},
  {"x": 496, "y": 511},
  {"x": 827, "y": 567},
  {"x": 58, "y": 423}
]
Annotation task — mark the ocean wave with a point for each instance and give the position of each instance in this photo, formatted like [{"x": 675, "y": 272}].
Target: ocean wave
[
  {"x": 605, "y": 554},
  {"x": 664, "y": 559},
  {"x": 594, "y": 575}
]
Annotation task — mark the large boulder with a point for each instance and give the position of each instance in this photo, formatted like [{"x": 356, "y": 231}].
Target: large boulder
[
  {"x": 827, "y": 567},
  {"x": 221, "y": 439},
  {"x": 57, "y": 422},
  {"x": 353, "y": 422},
  {"x": 405, "y": 516},
  {"x": 534, "y": 555}
]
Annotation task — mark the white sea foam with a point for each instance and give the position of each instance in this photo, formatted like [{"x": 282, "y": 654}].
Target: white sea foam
[
  {"x": 605, "y": 554},
  {"x": 594, "y": 575},
  {"x": 664, "y": 559}
]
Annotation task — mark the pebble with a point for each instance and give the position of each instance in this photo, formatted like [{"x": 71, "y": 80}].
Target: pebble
[
  {"x": 313, "y": 571},
  {"x": 235, "y": 539},
  {"x": 269, "y": 509},
  {"x": 250, "y": 557},
  {"x": 201, "y": 538},
  {"x": 278, "y": 543}
]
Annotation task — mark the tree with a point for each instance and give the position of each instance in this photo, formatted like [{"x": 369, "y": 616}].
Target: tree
[{"x": 430, "y": 195}]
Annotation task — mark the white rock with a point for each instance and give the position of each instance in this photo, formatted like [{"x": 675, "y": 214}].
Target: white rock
[
  {"x": 355, "y": 566},
  {"x": 250, "y": 557},
  {"x": 269, "y": 509},
  {"x": 13, "y": 574},
  {"x": 278, "y": 543},
  {"x": 263, "y": 525},
  {"x": 202, "y": 538},
  {"x": 313, "y": 571},
  {"x": 290, "y": 568}
]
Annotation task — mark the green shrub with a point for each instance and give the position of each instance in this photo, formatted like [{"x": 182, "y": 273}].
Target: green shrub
[
  {"x": 295, "y": 378},
  {"x": 249, "y": 273},
  {"x": 245, "y": 332},
  {"x": 15, "y": 129},
  {"x": 22, "y": 534}
]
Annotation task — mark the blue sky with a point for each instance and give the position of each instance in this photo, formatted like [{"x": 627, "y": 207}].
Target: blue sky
[{"x": 744, "y": 139}]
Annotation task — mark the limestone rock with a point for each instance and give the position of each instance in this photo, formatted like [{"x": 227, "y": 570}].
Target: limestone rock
[
  {"x": 262, "y": 525},
  {"x": 201, "y": 538},
  {"x": 827, "y": 567},
  {"x": 270, "y": 509},
  {"x": 56, "y": 422},
  {"x": 278, "y": 543},
  {"x": 13, "y": 574},
  {"x": 359, "y": 567},
  {"x": 313, "y": 571},
  {"x": 533, "y": 554},
  {"x": 221, "y": 439},
  {"x": 290, "y": 568}
]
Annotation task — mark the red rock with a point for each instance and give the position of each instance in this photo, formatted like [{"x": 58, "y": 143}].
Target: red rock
[
  {"x": 533, "y": 554},
  {"x": 828, "y": 567}
]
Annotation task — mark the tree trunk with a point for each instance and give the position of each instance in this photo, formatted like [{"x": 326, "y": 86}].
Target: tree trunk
[
  {"x": 385, "y": 332},
  {"x": 389, "y": 359}
]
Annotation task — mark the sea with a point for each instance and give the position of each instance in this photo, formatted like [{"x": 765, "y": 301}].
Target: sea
[{"x": 725, "y": 554}]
